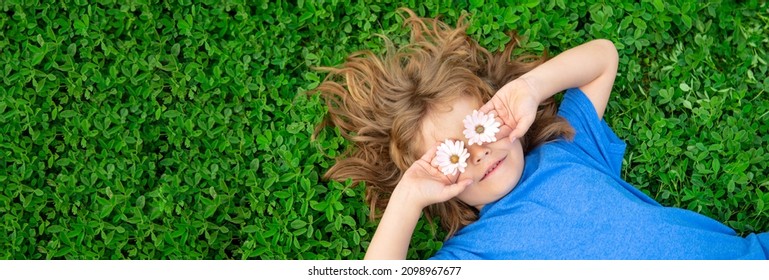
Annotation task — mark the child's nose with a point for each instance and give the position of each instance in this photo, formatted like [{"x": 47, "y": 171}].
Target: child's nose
[{"x": 477, "y": 153}]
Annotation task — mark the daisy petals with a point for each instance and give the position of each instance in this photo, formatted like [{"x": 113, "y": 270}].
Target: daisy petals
[
  {"x": 475, "y": 119},
  {"x": 446, "y": 150}
]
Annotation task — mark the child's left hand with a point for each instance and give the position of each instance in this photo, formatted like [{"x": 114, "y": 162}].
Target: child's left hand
[{"x": 515, "y": 106}]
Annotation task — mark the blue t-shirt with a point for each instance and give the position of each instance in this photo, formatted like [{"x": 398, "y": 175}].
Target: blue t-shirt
[{"x": 571, "y": 203}]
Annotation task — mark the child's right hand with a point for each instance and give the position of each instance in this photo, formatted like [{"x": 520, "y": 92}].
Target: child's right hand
[{"x": 424, "y": 184}]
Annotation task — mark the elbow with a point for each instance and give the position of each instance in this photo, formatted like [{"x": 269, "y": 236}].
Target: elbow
[{"x": 609, "y": 51}]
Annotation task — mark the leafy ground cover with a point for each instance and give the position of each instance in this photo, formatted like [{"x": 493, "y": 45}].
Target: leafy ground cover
[{"x": 150, "y": 129}]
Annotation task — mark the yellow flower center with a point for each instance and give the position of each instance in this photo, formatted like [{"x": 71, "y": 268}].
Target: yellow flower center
[
  {"x": 479, "y": 129},
  {"x": 454, "y": 158}
]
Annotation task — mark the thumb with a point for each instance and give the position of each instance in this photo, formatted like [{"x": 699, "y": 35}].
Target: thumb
[
  {"x": 457, "y": 188},
  {"x": 521, "y": 128},
  {"x": 516, "y": 134}
]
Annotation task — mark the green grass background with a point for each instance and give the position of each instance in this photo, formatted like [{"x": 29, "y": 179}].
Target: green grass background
[{"x": 145, "y": 129}]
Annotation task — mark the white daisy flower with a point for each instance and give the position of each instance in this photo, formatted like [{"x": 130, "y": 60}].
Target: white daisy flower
[
  {"x": 452, "y": 157},
  {"x": 480, "y": 128}
]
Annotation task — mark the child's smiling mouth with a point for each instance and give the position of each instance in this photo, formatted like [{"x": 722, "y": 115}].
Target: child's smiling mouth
[{"x": 492, "y": 168}]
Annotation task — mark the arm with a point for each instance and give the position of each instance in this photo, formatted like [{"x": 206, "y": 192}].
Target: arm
[
  {"x": 591, "y": 66},
  {"x": 393, "y": 235},
  {"x": 421, "y": 185}
]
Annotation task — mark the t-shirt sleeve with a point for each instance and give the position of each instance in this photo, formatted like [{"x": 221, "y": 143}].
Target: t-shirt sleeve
[
  {"x": 451, "y": 251},
  {"x": 443, "y": 255},
  {"x": 593, "y": 137}
]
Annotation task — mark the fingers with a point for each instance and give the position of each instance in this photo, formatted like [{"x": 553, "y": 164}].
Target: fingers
[
  {"x": 429, "y": 156},
  {"x": 494, "y": 105},
  {"x": 435, "y": 170},
  {"x": 504, "y": 132},
  {"x": 434, "y": 162},
  {"x": 502, "y": 113},
  {"x": 504, "y": 128},
  {"x": 491, "y": 105},
  {"x": 488, "y": 107},
  {"x": 453, "y": 177}
]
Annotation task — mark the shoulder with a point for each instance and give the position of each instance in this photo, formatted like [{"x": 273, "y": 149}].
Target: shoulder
[{"x": 593, "y": 137}]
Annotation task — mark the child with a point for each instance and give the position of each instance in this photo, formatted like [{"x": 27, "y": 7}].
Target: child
[{"x": 520, "y": 178}]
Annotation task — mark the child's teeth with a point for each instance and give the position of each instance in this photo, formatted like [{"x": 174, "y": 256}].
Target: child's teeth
[{"x": 490, "y": 169}]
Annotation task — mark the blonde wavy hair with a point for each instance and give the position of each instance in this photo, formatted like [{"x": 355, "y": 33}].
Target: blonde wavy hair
[{"x": 378, "y": 103}]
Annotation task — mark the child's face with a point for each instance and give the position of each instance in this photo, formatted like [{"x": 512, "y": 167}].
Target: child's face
[{"x": 440, "y": 125}]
